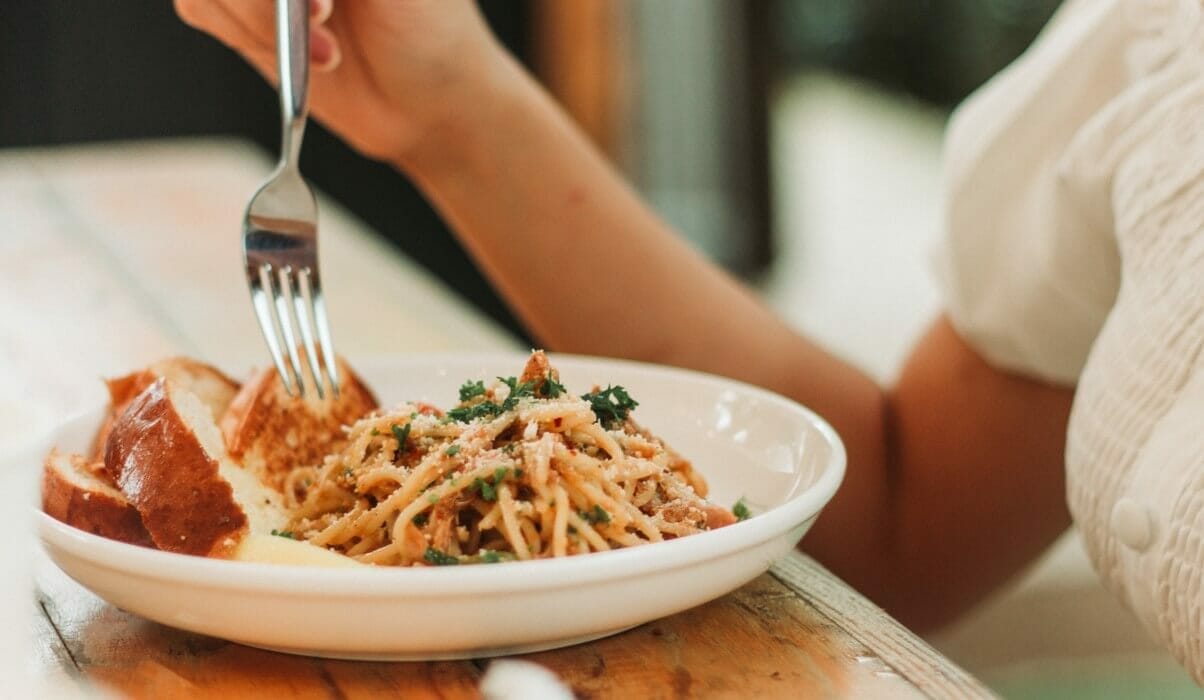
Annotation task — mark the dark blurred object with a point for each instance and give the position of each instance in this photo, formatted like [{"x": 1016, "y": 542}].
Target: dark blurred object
[
  {"x": 937, "y": 50},
  {"x": 675, "y": 93},
  {"x": 85, "y": 70}
]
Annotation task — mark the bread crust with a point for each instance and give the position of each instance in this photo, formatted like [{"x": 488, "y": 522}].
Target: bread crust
[
  {"x": 94, "y": 508},
  {"x": 123, "y": 390},
  {"x": 271, "y": 433},
  {"x": 165, "y": 472}
]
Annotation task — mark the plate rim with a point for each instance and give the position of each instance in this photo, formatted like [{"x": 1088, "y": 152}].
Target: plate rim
[{"x": 543, "y": 574}]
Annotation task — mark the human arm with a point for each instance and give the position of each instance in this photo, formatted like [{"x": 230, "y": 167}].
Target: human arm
[{"x": 955, "y": 475}]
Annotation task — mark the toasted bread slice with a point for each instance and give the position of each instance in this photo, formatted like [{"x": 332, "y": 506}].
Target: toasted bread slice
[
  {"x": 73, "y": 494},
  {"x": 270, "y": 433},
  {"x": 210, "y": 385},
  {"x": 166, "y": 454}
]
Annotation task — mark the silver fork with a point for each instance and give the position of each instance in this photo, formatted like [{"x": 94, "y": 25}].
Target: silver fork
[{"x": 280, "y": 230}]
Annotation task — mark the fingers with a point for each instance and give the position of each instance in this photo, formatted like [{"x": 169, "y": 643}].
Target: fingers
[
  {"x": 324, "y": 49},
  {"x": 320, "y": 10},
  {"x": 248, "y": 27},
  {"x": 323, "y": 44}
]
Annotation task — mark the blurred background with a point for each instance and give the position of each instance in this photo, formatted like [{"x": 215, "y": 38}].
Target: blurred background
[{"x": 796, "y": 142}]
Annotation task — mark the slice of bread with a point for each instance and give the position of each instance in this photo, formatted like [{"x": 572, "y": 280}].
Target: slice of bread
[
  {"x": 73, "y": 494},
  {"x": 270, "y": 432},
  {"x": 210, "y": 385},
  {"x": 166, "y": 455}
]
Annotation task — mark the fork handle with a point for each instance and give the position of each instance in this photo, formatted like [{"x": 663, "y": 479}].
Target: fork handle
[{"x": 292, "y": 58}]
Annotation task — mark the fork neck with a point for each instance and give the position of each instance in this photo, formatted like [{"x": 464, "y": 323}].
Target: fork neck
[
  {"x": 292, "y": 56},
  {"x": 292, "y": 130}
]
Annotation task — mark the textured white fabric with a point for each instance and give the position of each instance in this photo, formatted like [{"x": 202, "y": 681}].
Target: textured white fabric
[{"x": 1075, "y": 253}]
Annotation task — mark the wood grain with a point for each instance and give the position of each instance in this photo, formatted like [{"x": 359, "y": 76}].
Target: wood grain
[
  {"x": 869, "y": 625},
  {"x": 81, "y": 635},
  {"x": 809, "y": 638},
  {"x": 760, "y": 641}
]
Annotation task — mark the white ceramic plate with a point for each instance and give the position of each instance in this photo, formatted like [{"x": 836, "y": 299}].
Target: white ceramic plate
[{"x": 782, "y": 459}]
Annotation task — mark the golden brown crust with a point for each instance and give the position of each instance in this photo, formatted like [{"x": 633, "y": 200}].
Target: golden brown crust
[
  {"x": 271, "y": 433},
  {"x": 165, "y": 472},
  {"x": 92, "y": 508},
  {"x": 184, "y": 371}
]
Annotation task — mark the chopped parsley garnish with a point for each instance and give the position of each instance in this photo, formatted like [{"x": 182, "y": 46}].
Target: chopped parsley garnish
[
  {"x": 611, "y": 405},
  {"x": 487, "y": 490},
  {"x": 467, "y": 414},
  {"x": 286, "y": 534},
  {"x": 489, "y": 409},
  {"x": 374, "y": 432},
  {"x": 549, "y": 388},
  {"x": 595, "y": 516},
  {"x": 741, "y": 511},
  {"x": 499, "y": 474},
  {"x": 452, "y": 451},
  {"x": 517, "y": 391},
  {"x": 401, "y": 432},
  {"x": 490, "y": 557},
  {"x": 421, "y": 519},
  {"x": 471, "y": 390},
  {"x": 438, "y": 558}
]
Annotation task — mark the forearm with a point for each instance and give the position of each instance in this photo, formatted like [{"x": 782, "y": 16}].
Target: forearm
[
  {"x": 567, "y": 242},
  {"x": 926, "y": 520},
  {"x": 589, "y": 268}
]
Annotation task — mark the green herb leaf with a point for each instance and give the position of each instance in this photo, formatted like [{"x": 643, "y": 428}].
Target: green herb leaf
[
  {"x": 421, "y": 519},
  {"x": 471, "y": 390},
  {"x": 595, "y": 516},
  {"x": 467, "y": 414},
  {"x": 452, "y": 451},
  {"x": 517, "y": 391},
  {"x": 499, "y": 474},
  {"x": 286, "y": 534},
  {"x": 487, "y": 490},
  {"x": 438, "y": 558},
  {"x": 611, "y": 405},
  {"x": 401, "y": 433},
  {"x": 490, "y": 557},
  {"x": 550, "y": 388},
  {"x": 741, "y": 511}
]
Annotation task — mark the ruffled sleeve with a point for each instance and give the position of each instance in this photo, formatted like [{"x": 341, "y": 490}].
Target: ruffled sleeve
[
  {"x": 1028, "y": 263},
  {"x": 1074, "y": 252}
]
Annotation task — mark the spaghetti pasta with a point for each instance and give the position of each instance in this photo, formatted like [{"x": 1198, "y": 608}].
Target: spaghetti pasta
[{"x": 517, "y": 470}]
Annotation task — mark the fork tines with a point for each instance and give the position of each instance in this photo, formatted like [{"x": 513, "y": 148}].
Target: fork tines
[{"x": 286, "y": 296}]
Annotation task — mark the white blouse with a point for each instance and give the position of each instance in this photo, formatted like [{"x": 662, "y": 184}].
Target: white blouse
[{"x": 1074, "y": 252}]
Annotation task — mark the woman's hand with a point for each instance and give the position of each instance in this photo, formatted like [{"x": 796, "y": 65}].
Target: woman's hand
[{"x": 385, "y": 71}]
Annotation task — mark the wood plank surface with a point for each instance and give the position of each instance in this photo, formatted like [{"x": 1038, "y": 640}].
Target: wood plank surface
[{"x": 764, "y": 640}]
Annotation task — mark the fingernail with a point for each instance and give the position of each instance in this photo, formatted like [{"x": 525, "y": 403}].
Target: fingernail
[
  {"x": 324, "y": 50},
  {"x": 319, "y": 10}
]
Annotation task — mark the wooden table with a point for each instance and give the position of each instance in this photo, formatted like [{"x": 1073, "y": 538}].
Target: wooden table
[{"x": 113, "y": 256}]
